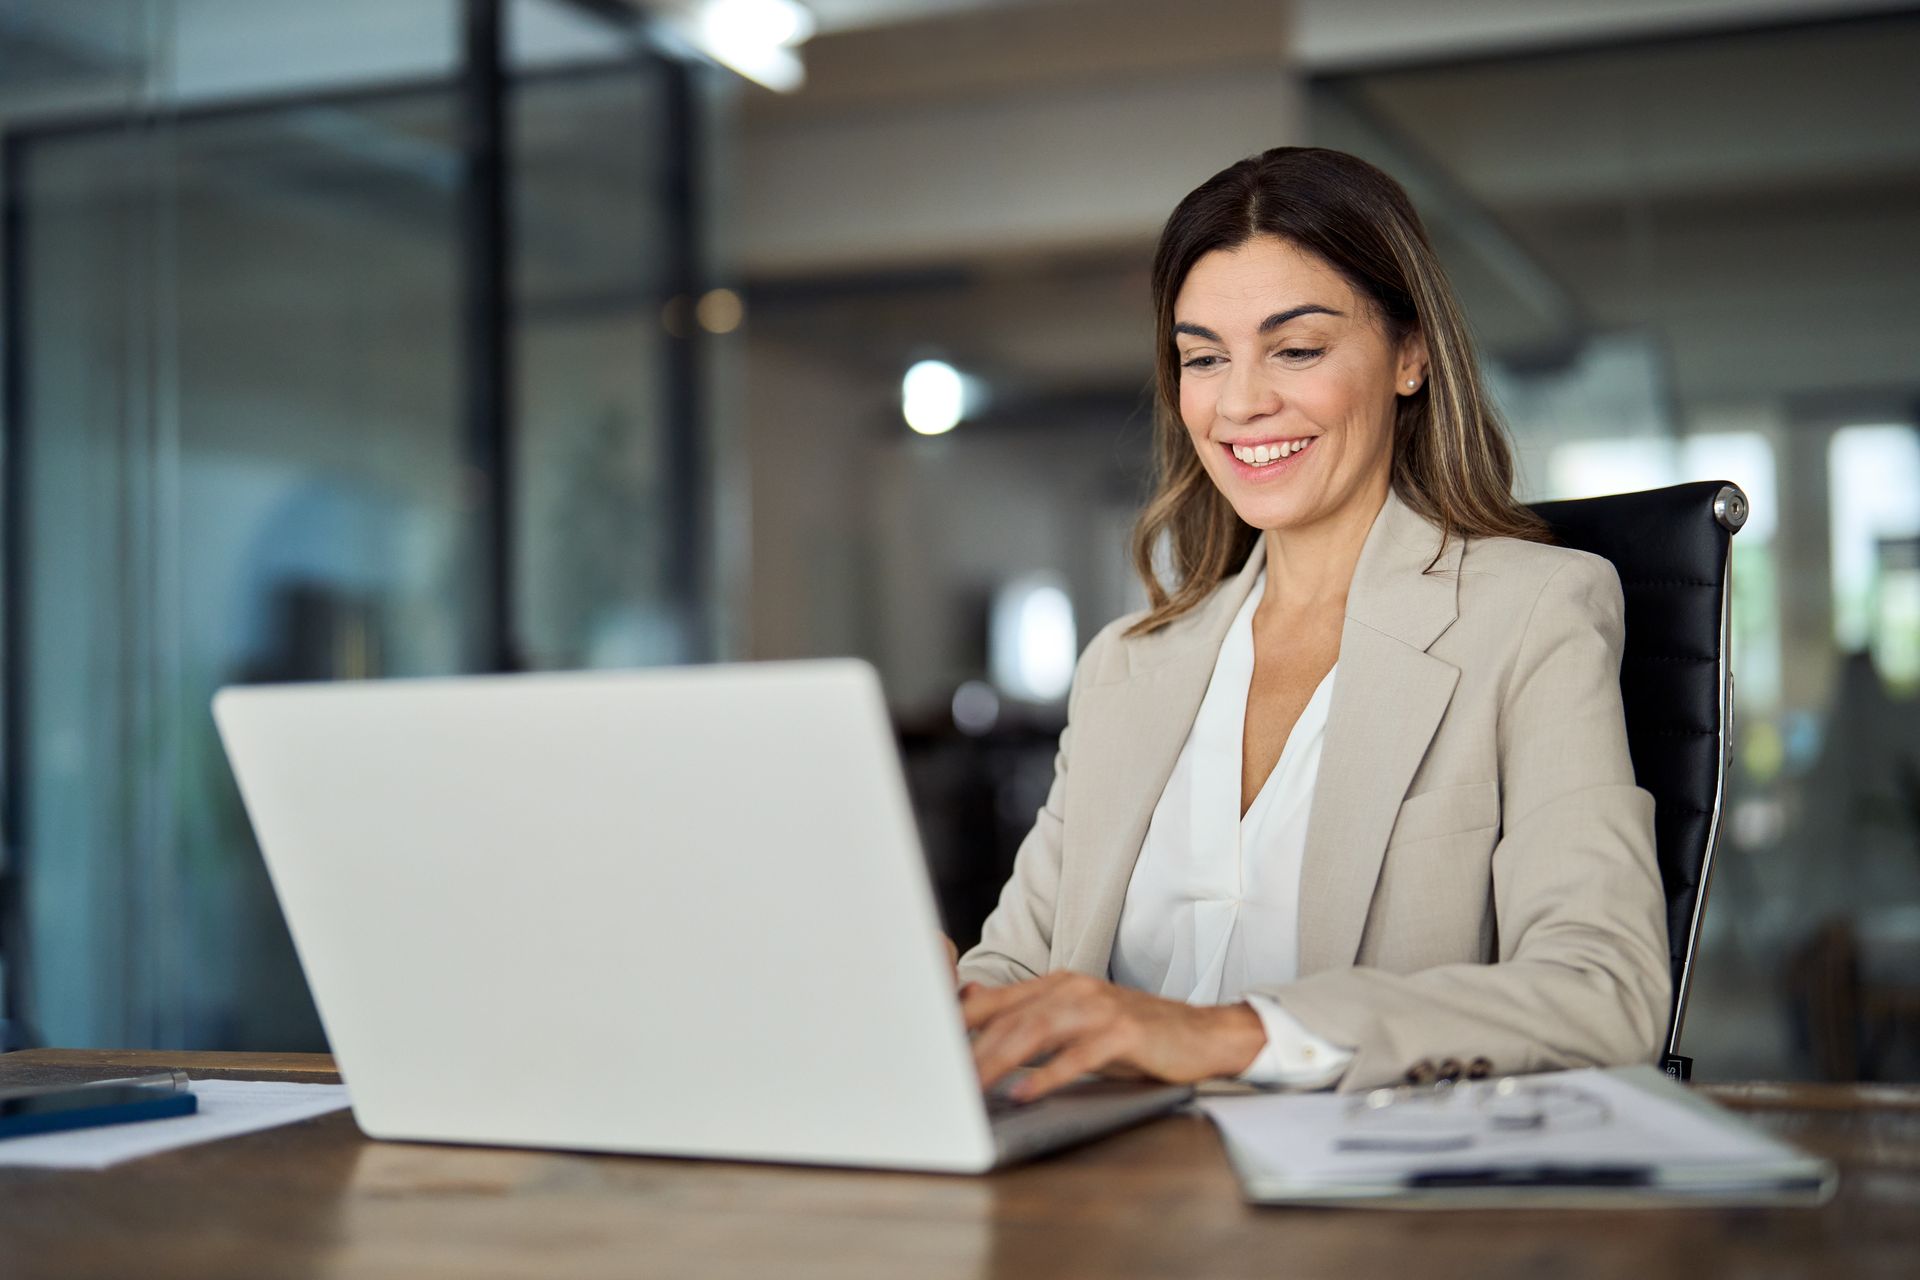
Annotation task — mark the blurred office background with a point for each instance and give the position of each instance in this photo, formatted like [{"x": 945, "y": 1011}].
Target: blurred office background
[{"x": 404, "y": 337}]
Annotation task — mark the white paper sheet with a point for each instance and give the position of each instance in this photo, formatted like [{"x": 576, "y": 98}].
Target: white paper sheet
[{"x": 227, "y": 1108}]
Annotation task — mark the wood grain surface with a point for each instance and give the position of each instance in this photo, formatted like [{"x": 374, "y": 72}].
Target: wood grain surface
[{"x": 318, "y": 1199}]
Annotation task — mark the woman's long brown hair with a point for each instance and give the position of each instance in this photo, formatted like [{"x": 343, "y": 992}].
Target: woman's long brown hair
[{"x": 1451, "y": 460}]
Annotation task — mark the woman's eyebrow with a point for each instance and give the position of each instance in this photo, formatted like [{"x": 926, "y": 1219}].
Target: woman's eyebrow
[
  {"x": 1268, "y": 325},
  {"x": 1279, "y": 318}
]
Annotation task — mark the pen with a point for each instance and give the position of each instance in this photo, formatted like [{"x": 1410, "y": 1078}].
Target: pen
[
  {"x": 157, "y": 1082},
  {"x": 1537, "y": 1175},
  {"x": 51, "y": 1108}
]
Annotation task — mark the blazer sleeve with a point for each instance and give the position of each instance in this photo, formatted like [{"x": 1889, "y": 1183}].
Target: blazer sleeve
[
  {"x": 1582, "y": 976},
  {"x": 1016, "y": 942}
]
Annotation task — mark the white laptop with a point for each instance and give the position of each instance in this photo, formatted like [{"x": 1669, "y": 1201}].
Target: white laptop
[{"x": 679, "y": 912}]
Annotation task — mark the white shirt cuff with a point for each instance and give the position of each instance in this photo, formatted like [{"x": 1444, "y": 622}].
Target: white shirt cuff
[{"x": 1294, "y": 1057}]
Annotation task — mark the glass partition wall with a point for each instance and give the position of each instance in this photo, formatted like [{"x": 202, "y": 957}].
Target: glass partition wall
[{"x": 322, "y": 383}]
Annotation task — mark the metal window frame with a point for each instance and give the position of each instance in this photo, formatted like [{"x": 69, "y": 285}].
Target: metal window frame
[{"x": 16, "y": 1024}]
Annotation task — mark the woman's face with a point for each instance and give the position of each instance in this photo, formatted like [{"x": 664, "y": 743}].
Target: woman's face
[{"x": 1288, "y": 384}]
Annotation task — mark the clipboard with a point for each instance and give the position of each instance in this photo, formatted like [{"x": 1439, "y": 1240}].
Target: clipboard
[{"x": 1625, "y": 1137}]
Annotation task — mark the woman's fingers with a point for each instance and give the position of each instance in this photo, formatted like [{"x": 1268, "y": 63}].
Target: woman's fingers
[
  {"x": 979, "y": 1004},
  {"x": 1054, "y": 1017},
  {"x": 1091, "y": 1025},
  {"x": 1015, "y": 1040},
  {"x": 1090, "y": 1054}
]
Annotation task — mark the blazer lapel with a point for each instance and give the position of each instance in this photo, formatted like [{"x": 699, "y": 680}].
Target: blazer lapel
[
  {"x": 1139, "y": 724},
  {"x": 1387, "y": 702},
  {"x": 1388, "y": 699}
]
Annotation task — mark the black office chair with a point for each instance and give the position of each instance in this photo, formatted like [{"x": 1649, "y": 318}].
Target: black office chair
[{"x": 1673, "y": 549}]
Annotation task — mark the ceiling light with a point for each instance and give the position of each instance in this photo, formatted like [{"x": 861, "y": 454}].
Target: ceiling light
[
  {"x": 933, "y": 397},
  {"x": 757, "y": 38}
]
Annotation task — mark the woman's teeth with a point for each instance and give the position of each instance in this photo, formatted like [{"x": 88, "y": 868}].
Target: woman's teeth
[{"x": 1260, "y": 455}]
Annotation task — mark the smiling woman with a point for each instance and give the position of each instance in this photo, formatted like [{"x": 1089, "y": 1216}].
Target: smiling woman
[
  {"x": 1330, "y": 254},
  {"x": 1350, "y": 802}
]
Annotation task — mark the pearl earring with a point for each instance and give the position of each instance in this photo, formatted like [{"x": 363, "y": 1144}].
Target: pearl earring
[{"x": 1413, "y": 382}]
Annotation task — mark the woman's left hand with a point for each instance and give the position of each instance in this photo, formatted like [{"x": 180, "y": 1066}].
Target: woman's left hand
[{"x": 1091, "y": 1025}]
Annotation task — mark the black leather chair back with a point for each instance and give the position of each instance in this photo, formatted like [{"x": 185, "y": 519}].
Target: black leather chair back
[{"x": 1671, "y": 547}]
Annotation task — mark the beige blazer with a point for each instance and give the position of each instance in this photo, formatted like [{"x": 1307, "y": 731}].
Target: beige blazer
[{"x": 1478, "y": 879}]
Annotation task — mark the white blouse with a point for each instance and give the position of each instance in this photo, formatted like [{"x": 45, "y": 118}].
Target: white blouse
[{"x": 1213, "y": 907}]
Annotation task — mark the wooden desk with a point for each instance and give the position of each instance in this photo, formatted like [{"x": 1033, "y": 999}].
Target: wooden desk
[{"x": 317, "y": 1199}]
